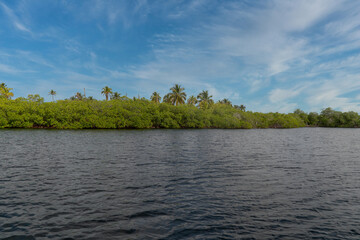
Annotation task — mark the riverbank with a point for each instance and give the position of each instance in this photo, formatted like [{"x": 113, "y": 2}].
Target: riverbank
[
  {"x": 134, "y": 113},
  {"x": 144, "y": 114}
]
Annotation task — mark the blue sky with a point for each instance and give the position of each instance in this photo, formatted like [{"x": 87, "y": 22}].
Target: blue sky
[{"x": 268, "y": 55}]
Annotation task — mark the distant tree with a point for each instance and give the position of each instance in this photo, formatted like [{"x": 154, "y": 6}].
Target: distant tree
[
  {"x": 177, "y": 95},
  {"x": 241, "y": 107},
  {"x": 106, "y": 91},
  {"x": 313, "y": 118},
  {"x": 90, "y": 98},
  {"x": 79, "y": 96},
  {"x": 155, "y": 97},
  {"x": 225, "y": 101},
  {"x": 35, "y": 98},
  {"x": 115, "y": 96},
  {"x": 52, "y": 93},
  {"x": 167, "y": 98},
  {"x": 5, "y": 91},
  {"x": 204, "y": 99},
  {"x": 302, "y": 115},
  {"x": 192, "y": 100},
  {"x": 329, "y": 118}
]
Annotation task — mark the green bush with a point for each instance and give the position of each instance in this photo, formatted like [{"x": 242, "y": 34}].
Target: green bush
[{"x": 32, "y": 112}]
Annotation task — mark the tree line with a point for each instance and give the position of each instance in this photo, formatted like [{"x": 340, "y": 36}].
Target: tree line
[
  {"x": 176, "y": 96},
  {"x": 174, "y": 110}
]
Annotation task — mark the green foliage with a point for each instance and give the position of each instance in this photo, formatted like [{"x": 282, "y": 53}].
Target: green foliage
[
  {"x": 106, "y": 91},
  {"x": 192, "y": 100},
  {"x": 33, "y": 112},
  {"x": 5, "y": 92},
  {"x": 177, "y": 95},
  {"x": 331, "y": 118},
  {"x": 35, "y": 98},
  {"x": 155, "y": 97},
  {"x": 204, "y": 100},
  {"x": 52, "y": 93}
]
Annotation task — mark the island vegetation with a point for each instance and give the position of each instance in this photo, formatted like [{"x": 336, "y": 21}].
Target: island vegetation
[{"x": 174, "y": 110}]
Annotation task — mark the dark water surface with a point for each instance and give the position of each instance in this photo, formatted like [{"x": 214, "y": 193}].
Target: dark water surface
[{"x": 180, "y": 184}]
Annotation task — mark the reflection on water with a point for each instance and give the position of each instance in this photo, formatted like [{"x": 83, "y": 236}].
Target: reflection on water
[{"x": 180, "y": 184}]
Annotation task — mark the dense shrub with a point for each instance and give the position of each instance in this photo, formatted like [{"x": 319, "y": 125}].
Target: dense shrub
[{"x": 138, "y": 113}]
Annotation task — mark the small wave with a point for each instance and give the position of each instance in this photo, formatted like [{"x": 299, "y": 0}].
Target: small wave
[
  {"x": 141, "y": 187},
  {"x": 19, "y": 237},
  {"x": 146, "y": 214}
]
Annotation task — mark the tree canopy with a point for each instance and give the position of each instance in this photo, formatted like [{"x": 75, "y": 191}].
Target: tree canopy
[
  {"x": 122, "y": 112},
  {"x": 106, "y": 91}
]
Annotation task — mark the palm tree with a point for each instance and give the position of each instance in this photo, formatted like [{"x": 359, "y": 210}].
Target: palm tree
[
  {"x": 106, "y": 91},
  {"x": 166, "y": 98},
  {"x": 155, "y": 97},
  {"x": 52, "y": 93},
  {"x": 78, "y": 96},
  {"x": 205, "y": 97},
  {"x": 5, "y": 91},
  {"x": 2, "y": 89},
  {"x": 192, "y": 100},
  {"x": 242, "y": 107},
  {"x": 177, "y": 95},
  {"x": 225, "y": 101},
  {"x": 115, "y": 96}
]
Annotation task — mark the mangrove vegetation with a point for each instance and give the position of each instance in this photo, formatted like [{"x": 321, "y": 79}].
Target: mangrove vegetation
[{"x": 174, "y": 110}]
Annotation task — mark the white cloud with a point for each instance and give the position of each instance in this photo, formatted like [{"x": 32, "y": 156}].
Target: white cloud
[
  {"x": 285, "y": 52},
  {"x": 279, "y": 95},
  {"x": 238, "y": 46},
  {"x": 14, "y": 19},
  {"x": 333, "y": 93},
  {"x": 8, "y": 69}
]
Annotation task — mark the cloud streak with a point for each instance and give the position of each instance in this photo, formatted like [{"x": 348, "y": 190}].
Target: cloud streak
[
  {"x": 274, "y": 55},
  {"x": 14, "y": 19}
]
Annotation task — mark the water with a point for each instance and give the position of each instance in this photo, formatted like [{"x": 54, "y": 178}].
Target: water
[{"x": 180, "y": 184}]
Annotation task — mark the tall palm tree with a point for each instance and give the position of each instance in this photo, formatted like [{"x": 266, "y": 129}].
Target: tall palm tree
[
  {"x": 177, "y": 95},
  {"x": 106, "y": 91},
  {"x": 155, "y": 97},
  {"x": 192, "y": 100},
  {"x": 52, "y": 93},
  {"x": 225, "y": 101},
  {"x": 205, "y": 97},
  {"x": 2, "y": 89},
  {"x": 115, "y": 96},
  {"x": 78, "y": 96},
  {"x": 242, "y": 107},
  {"x": 167, "y": 99},
  {"x": 5, "y": 91}
]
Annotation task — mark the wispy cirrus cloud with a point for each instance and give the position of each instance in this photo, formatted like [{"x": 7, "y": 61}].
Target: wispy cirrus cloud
[
  {"x": 274, "y": 55},
  {"x": 8, "y": 69},
  {"x": 15, "y": 21}
]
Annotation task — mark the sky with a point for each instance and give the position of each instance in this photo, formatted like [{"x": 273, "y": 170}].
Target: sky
[{"x": 270, "y": 55}]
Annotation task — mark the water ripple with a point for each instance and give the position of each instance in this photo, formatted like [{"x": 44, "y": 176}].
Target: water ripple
[{"x": 180, "y": 184}]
